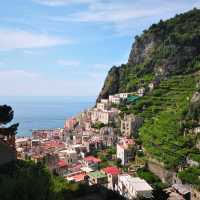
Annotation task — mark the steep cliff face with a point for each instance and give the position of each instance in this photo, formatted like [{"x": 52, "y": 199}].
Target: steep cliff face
[
  {"x": 168, "y": 48},
  {"x": 111, "y": 85},
  {"x": 143, "y": 48}
]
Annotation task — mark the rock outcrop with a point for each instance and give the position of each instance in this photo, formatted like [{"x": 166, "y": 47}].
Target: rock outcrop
[{"x": 168, "y": 48}]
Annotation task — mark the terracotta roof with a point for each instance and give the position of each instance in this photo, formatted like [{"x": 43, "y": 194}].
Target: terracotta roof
[
  {"x": 62, "y": 163},
  {"x": 92, "y": 159},
  {"x": 111, "y": 170},
  {"x": 79, "y": 177},
  {"x": 53, "y": 144},
  {"x": 124, "y": 143}
]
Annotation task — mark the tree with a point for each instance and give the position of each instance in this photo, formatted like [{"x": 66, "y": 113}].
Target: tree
[
  {"x": 119, "y": 162},
  {"x": 6, "y": 114},
  {"x": 7, "y": 133}
]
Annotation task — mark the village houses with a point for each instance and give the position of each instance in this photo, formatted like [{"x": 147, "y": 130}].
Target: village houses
[
  {"x": 125, "y": 150},
  {"x": 133, "y": 187},
  {"x": 68, "y": 151},
  {"x": 130, "y": 124},
  {"x": 97, "y": 177},
  {"x": 112, "y": 173}
]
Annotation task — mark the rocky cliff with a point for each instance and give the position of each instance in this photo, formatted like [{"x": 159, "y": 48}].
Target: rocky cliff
[
  {"x": 168, "y": 51},
  {"x": 168, "y": 48}
]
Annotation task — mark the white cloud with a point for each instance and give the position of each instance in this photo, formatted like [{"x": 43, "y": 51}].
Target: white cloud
[
  {"x": 123, "y": 14},
  {"x": 26, "y": 83},
  {"x": 62, "y": 2},
  {"x": 69, "y": 63},
  {"x": 12, "y": 39},
  {"x": 110, "y": 13}
]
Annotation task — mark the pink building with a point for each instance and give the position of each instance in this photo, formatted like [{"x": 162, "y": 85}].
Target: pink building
[{"x": 70, "y": 123}]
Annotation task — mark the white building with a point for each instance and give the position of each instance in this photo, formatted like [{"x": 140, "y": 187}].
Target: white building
[
  {"x": 197, "y": 130},
  {"x": 151, "y": 86},
  {"x": 125, "y": 150},
  {"x": 102, "y": 106},
  {"x": 141, "y": 92},
  {"x": 105, "y": 101},
  {"x": 23, "y": 142},
  {"x": 69, "y": 155},
  {"x": 124, "y": 95},
  {"x": 95, "y": 115},
  {"x": 103, "y": 116},
  {"x": 133, "y": 187},
  {"x": 118, "y": 98},
  {"x": 130, "y": 124},
  {"x": 115, "y": 99}
]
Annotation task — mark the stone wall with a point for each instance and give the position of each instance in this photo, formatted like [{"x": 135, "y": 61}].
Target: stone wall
[
  {"x": 195, "y": 194},
  {"x": 164, "y": 175},
  {"x": 170, "y": 177}
]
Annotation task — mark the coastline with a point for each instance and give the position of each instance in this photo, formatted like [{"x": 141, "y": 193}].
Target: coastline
[{"x": 45, "y": 112}]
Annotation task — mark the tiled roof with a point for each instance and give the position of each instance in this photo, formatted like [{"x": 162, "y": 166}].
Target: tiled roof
[
  {"x": 53, "y": 144},
  {"x": 79, "y": 177},
  {"x": 62, "y": 163},
  {"x": 92, "y": 159},
  {"x": 111, "y": 170}
]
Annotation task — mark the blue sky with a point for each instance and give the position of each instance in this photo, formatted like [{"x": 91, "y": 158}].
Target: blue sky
[{"x": 66, "y": 47}]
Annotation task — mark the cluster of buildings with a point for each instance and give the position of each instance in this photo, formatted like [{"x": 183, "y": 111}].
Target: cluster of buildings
[
  {"x": 125, "y": 150},
  {"x": 68, "y": 151},
  {"x": 75, "y": 163},
  {"x": 104, "y": 113}
]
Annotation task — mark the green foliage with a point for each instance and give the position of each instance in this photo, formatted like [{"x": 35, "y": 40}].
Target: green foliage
[
  {"x": 6, "y": 114},
  {"x": 119, "y": 162},
  {"x": 161, "y": 133},
  {"x": 191, "y": 176},
  {"x": 98, "y": 125},
  {"x": 195, "y": 156},
  {"x": 168, "y": 48},
  {"x": 22, "y": 180},
  {"x": 111, "y": 151},
  {"x": 25, "y": 180},
  {"x": 155, "y": 182},
  {"x": 106, "y": 157},
  {"x": 163, "y": 111}
]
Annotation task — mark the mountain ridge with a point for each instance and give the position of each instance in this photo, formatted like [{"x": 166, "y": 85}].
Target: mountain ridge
[{"x": 165, "y": 49}]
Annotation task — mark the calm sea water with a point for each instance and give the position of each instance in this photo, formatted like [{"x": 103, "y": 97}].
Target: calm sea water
[{"x": 44, "y": 112}]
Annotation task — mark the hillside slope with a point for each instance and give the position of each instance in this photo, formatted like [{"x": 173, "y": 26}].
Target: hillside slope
[
  {"x": 169, "y": 52},
  {"x": 168, "y": 48}
]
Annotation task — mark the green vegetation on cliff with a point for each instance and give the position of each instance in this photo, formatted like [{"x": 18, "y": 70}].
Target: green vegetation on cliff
[
  {"x": 168, "y": 48},
  {"x": 169, "y": 52},
  {"x": 162, "y": 133},
  {"x": 191, "y": 176}
]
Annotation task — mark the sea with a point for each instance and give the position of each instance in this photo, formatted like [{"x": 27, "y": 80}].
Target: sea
[{"x": 44, "y": 112}]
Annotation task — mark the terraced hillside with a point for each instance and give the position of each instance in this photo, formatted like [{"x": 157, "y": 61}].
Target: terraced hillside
[{"x": 168, "y": 52}]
